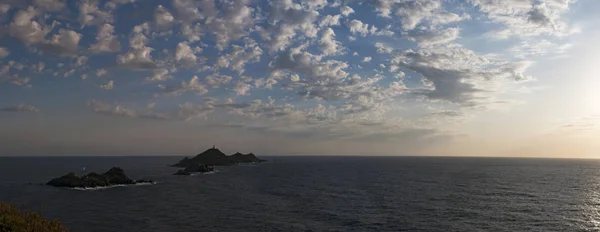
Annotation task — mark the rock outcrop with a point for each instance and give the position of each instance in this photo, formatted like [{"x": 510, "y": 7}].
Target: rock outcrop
[
  {"x": 205, "y": 161},
  {"x": 247, "y": 158},
  {"x": 114, "y": 176},
  {"x": 195, "y": 168},
  {"x": 212, "y": 157}
]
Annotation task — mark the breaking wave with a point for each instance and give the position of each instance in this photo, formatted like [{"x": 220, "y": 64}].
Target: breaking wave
[{"x": 112, "y": 186}]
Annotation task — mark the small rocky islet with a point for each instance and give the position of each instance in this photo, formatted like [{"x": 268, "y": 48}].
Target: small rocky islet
[
  {"x": 114, "y": 176},
  {"x": 207, "y": 160},
  {"x": 201, "y": 163}
]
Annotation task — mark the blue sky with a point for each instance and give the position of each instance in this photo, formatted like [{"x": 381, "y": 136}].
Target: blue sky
[{"x": 396, "y": 77}]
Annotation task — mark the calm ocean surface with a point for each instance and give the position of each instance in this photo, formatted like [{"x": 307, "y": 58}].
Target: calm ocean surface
[{"x": 318, "y": 194}]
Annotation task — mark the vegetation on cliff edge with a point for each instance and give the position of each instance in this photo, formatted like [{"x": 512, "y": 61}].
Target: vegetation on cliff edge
[{"x": 14, "y": 220}]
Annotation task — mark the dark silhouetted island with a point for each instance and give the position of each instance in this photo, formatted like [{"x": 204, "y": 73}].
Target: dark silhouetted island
[
  {"x": 114, "y": 176},
  {"x": 205, "y": 161}
]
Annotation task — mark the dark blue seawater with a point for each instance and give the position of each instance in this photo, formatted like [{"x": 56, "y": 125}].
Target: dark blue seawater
[{"x": 319, "y": 194}]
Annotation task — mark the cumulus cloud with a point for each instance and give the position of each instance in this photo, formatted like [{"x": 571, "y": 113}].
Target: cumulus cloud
[
  {"x": 188, "y": 11},
  {"x": 192, "y": 86},
  {"x": 20, "y": 108},
  {"x": 139, "y": 57},
  {"x": 108, "y": 86},
  {"x": 225, "y": 22},
  {"x": 383, "y": 48},
  {"x": 192, "y": 33},
  {"x": 346, "y": 10},
  {"x": 290, "y": 18},
  {"x": 113, "y": 4},
  {"x": 159, "y": 75},
  {"x": 214, "y": 81},
  {"x": 106, "y": 41},
  {"x": 65, "y": 43},
  {"x": 26, "y": 29},
  {"x": 366, "y": 59},
  {"x": 242, "y": 87},
  {"x": 330, "y": 20},
  {"x": 234, "y": 22},
  {"x": 327, "y": 43},
  {"x": 314, "y": 72},
  {"x": 414, "y": 13},
  {"x": 4, "y": 52},
  {"x": 162, "y": 17},
  {"x": 356, "y": 26},
  {"x": 430, "y": 38},
  {"x": 101, "y": 72},
  {"x": 19, "y": 81},
  {"x": 91, "y": 14},
  {"x": 240, "y": 56},
  {"x": 184, "y": 55},
  {"x": 81, "y": 60},
  {"x": 50, "y": 5}
]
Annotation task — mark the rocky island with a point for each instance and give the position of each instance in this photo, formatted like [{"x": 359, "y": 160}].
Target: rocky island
[
  {"x": 207, "y": 160},
  {"x": 114, "y": 176}
]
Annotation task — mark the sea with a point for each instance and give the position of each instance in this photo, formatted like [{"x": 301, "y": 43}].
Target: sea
[{"x": 317, "y": 194}]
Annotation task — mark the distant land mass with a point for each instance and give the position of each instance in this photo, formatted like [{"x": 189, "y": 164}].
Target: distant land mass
[
  {"x": 114, "y": 176},
  {"x": 205, "y": 161}
]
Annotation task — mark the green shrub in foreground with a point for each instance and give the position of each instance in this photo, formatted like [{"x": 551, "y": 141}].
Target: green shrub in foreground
[{"x": 14, "y": 220}]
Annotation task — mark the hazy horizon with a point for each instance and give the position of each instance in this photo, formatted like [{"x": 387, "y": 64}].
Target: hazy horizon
[{"x": 513, "y": 78}]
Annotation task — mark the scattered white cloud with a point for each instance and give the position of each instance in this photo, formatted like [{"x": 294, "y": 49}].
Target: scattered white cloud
[
  {"x": 49, "y": 5},
  {"x": 240, "y": 56},
  {"x": 214, "y": 81},
  {"x": 356, "y": 26},
  {"x": 108, "y": 86},
  {"x": 383, "y": 48},
  {"x": 20, "y": 108},
  {"x": 456, "y": 74},
  {"x": 82, "y": 60},
  {"x": 192, "y": 86},
  {"x": 101, "y": 72},
  {"x": 91, "y": 14},
  {"x": 159, "y": 75},
  {"x": 430, "y": 38},
  {"x": 346, "y": 10},
  {"x": 4, "y": 52},
  {"x": 526, "y": 18},
  {"x": 65, "y": 43},
  {"x": 242, "y": 87},
  {"x": 106, "y": 41},
  {"x": 163, "y": 18},
  {"x": 328, "y": 44},
  {"x": 4, "y": 8},
  {"x": 184, "y": 55},
  {"x": 536, "y": 48},
  {"x": 139, "y": 57},
  {"x": 26, "y": 29},
  {"x": 40, "y": 67},
  {"x": 330, "y": 20},
  {"x": 309, "y": 59}
]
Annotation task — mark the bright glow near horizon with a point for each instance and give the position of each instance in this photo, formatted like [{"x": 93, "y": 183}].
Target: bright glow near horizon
[{"x": 318, "y": 77}]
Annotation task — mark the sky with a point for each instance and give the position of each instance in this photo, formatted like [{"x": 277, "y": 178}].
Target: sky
[{"x": 514, "y": 78}]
